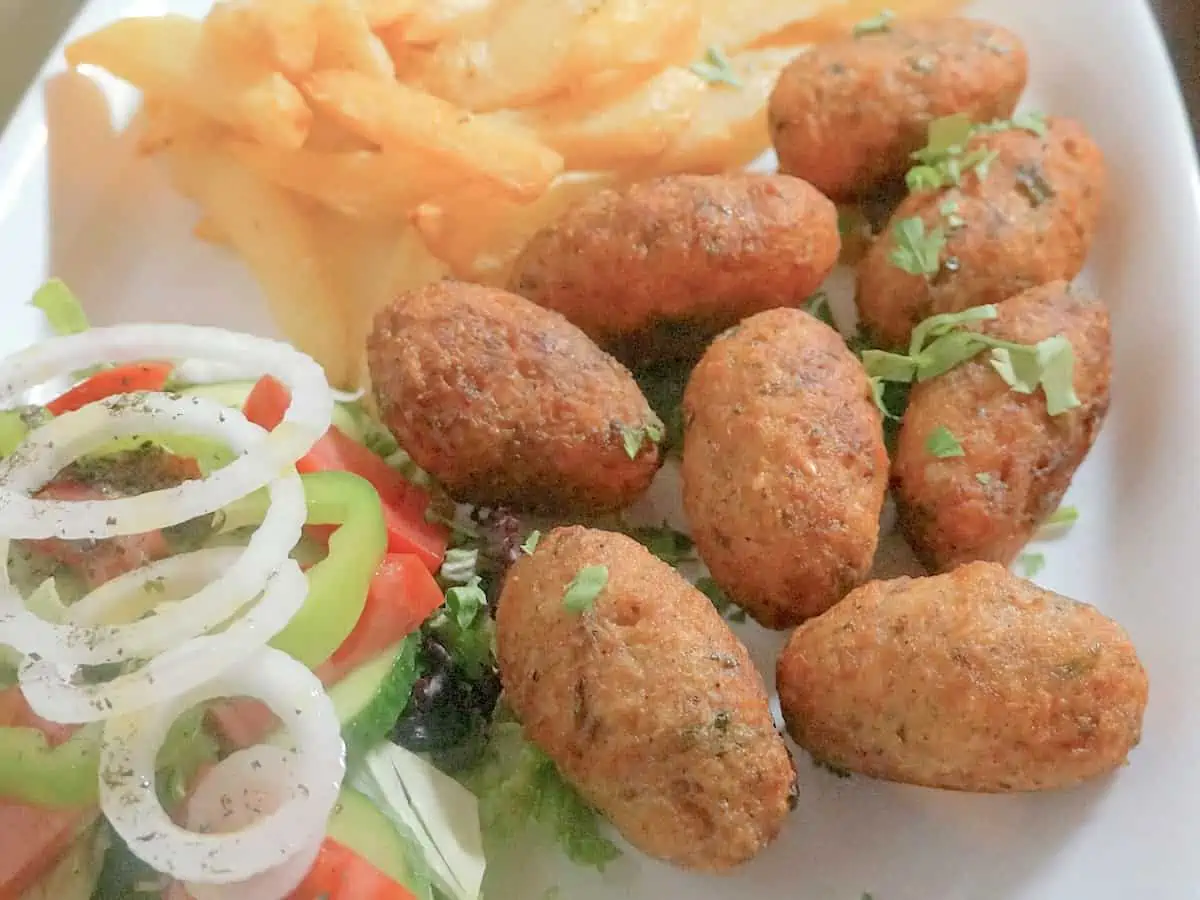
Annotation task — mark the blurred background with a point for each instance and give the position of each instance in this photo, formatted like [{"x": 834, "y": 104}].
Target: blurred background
[{"x": 28, "y": 28}]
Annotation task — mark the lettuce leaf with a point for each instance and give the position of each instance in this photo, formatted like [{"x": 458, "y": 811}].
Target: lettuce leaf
[
  {"x": 519, "y": 787},
  {"x": 62, "y": 308}
]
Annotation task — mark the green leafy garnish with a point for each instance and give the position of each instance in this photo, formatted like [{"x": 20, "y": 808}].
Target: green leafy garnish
[
  {"x": 669, "y": 545},
  {"x": 818, "y": 307},
  {"x": 943, "y": 444},
  {"x": 1030, "y": 120},
  {"x": 519, "y": 787},
  {"x": 1058, "y": 523},
  {"x": 917, "y": 252},
  {"x": 62, "y": 308},
  {"x": 459, "y": 565},
  {"x": 940, "y": 343},
  {"x": 1032, "y": 563},
  {"x": 580, "y": 595},
  {"x": 530, "y": 543},
  {"x": 877, "y": 25},
  {"x": 634, "y": 436},
  {"x": 716, "y": 68},
  {"x": 983, "y": 478},
  {"x": 465, "y": 602},
  {"x": 726, "y": 607}
]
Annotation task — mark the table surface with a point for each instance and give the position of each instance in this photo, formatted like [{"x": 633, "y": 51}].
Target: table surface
[{"x": 28, "y": 28}]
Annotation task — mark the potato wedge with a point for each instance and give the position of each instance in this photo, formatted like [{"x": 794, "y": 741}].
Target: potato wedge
[
  {"x": 630, "y": 128},
  {"x": 277, "y": 235},
  {"x": 734, "y": 25},
  {"x": 363, "y": 184},
  {"x": 278, "y": 32},
  {"x": 434, "y": 21},
  {"x": 165, "y": 55},
  {"x": 396, "y": 116},
  {"x": 207, "y": 230},
  {"x": 479, "y": 235},
  {"x": 729, "y": 126},
  {"x": 161, "y": 122},
  {"x": 539, "y": 48},
  {"x": 345, "y": 40},
  {"x": 383, "y": 13}
]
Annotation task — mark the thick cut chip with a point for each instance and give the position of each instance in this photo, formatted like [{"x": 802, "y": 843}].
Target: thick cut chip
[
  {"x": 395, "y": 116},
  {"x": 166, "y": 56},
  {"x": 345, "y": 40},
  {"x": 282, "y": 33}
]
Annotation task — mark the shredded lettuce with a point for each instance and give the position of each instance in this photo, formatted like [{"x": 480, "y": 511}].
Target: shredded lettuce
[
  {"x": 519, "y": 787},
  {"x": 62, "y": 308}
]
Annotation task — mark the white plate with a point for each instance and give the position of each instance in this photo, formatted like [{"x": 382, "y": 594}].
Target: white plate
[{"x": 74, "y": 202}]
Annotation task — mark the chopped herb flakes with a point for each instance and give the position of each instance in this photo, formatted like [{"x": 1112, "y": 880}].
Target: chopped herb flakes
[
  {"x": 634, "y": 436},
  {"x": 669, "y": 545},
  {"x": 917, "y": 252},
  {"x": 530, "y": 543},
  {"x": 879, "y": 24},
  {"x": 716, "y": 68},
  {"x": 1031, "y": 563},
  {"x": 580, "y": 595},
  {"x": 943, "y": 444},
  {"x": 940, "y": 343}
]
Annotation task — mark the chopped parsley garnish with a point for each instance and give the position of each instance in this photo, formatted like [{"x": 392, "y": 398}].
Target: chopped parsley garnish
[
  {"x": 1058, "y": 523},
  {"x": 580, "y": 595},
  {"x": 940, "y": 343},
  {"x": 530, "y": 543},
  {"x": 716, "y": 68},
  {"x": 943, "y": 444},
  {"x": 634, "y": 436},
  {"x": 877, "y": 25},
  {"x": 669, "y": 545},
  {"x": 1032, "y": 563},
  {"x": 917, "y": 252},
  {"x": 949, "y": 211}
]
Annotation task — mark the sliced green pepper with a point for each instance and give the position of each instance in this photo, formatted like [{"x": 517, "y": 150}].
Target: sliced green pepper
[{"x": 337, "y": 585}]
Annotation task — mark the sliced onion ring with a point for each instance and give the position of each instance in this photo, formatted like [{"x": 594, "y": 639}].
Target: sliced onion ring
[
  {"x": 306, "y": 419},
  {"x": 127, "y": 777},
  {"x": 55, "y": 693},
  {"x": 240, "y": 789},
  {"x": 233, "y": 587}
]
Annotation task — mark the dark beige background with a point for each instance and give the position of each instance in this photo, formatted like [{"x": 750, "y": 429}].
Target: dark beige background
[{"x": 29, "y": 27}]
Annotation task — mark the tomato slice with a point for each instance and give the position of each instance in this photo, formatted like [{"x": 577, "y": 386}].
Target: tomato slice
[
  {"x": 404, "y": 504},
  {"x": 341, "y": 874},
  {"x": 34, "y": 840},
  {"x": 15, "y": 712},
  {"x": 143, "y": 376}
]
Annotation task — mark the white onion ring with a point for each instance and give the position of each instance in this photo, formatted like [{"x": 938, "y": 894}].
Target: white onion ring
[
  {"x": 54, "y": 693},
  {"x": 268, "y": 548},
  {"x": 237, "y": 791},
  {"x": 127, "y": 777},
  {"x": 306, "y": 419}
]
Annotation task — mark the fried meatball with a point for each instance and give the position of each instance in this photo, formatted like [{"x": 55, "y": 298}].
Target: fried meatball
[
  {"x": 1018, "y": 460},
  {"x": 846, "y": 115},
  {"x": 1028, "y": 221},
  {"x": 974, "y": 681},
  {"x": 645, "y": 700},
  {"x": 653, "y": 270},
  {"x": 506, "y": 403},
  {"x": 784, "y": 468}
]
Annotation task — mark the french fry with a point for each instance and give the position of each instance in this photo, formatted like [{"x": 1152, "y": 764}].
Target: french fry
[
  {"x": 163, "y": 55},
  {"x": 734, "y": 25},
  {"x": 206, "y": 230},
  {"x": 538, "y": 48},
  {"x": 161, "y": 122},
  {"x": 629, "y": 129},
  {"x": 837, "y": 20},
  {"x": 364, "y": 184},
  {"x": 278, "y": 237},
  {"x": 479, "y": 235},
  {"x": 280, "y": 33},
  {"x": 384, "y": 13},
  {"x": 345, "y": 40},
  {"x": 434, "y": 21},
  {"x": 395, "y": 116},
  {"x": 729, "y": 126}
]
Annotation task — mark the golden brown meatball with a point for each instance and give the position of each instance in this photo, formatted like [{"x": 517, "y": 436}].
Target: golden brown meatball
[
  {"x": 973, "y": 681},
  {"x": 1017, "y": 460},
  {"x": 507, "y": 403},
  {"x": 846, "y": 115},
  {"x": 784, "y": 468},
  {"x": 646, "y": 701},
  {"x": 655, "y": 269},
  {"x": 1028, "y": 221}
]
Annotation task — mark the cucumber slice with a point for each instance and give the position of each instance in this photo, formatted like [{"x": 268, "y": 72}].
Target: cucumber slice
[
  {"x": 370, "y": 699},
  {"x": 357, "y": 825},
  {"x": 234, "y": 393}
]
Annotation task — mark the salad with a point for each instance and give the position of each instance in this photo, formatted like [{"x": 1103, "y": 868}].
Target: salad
[{"x": 240, "y": 663}]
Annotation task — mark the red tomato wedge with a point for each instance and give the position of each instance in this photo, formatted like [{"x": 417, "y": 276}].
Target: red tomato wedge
[
  {"x": 402, "y": 595},
  {"x": 146, "y": 376},
  {"x": 404, "y": 504},
  {"x": 33, "y": 840},
  {"x": 340, "y": 874},
  {"x": 15, "y": 713}
]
